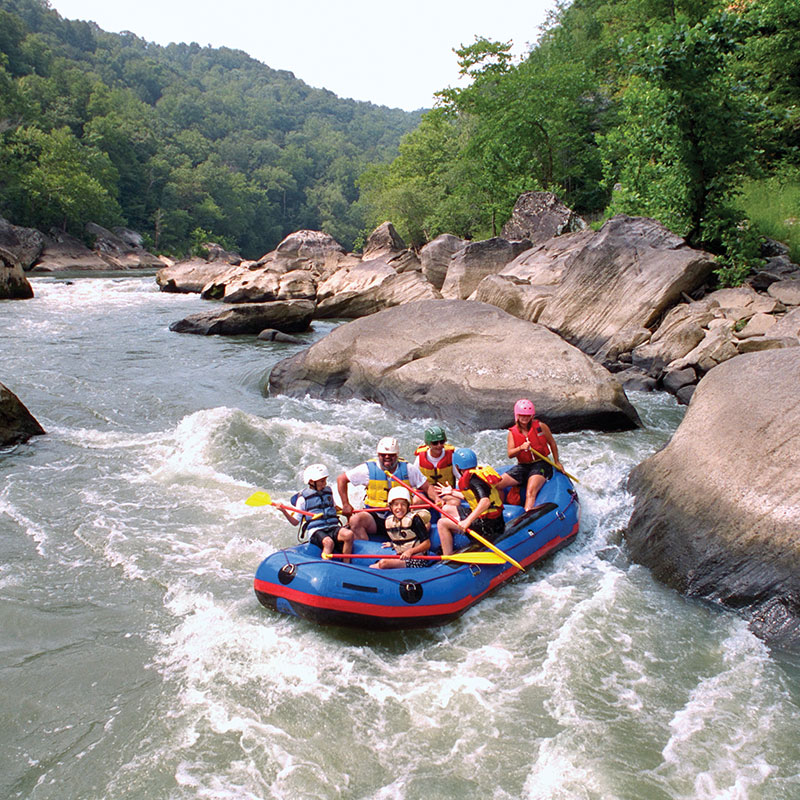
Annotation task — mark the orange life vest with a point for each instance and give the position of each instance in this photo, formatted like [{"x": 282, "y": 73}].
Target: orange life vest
[{"x": 535, "y": 437}]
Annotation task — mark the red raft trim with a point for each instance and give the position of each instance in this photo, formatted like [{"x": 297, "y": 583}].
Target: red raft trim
[{"x": 374, "y": 610}]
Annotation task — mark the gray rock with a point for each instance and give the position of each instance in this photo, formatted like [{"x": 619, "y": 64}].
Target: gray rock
[
  {"x": 717, "y": 511},
  {"x": 13, "y": 283},
  {"x": 436, "y": 255},
  {"x": 634, "y": 379},
  {"x": 477, "y": 260},
  {"x": 787, "y": 292},
  {"x": 191, "y": 275},
  {"x": 462, "y": 361},
  {"x": 271, "y": 335},
  {"x": 539, "y": 216},
  {"x": 685, "y": 394},
  {"x": 64, "y": 252},
  {"x": 118, "y": 253},
  {"x": 757, "y": 325},
  {"x": 675, "y": 379},
  {"x": 383, "y": 241},
  {"x": 513, "y": 296},
  {"x": 17, "y": 424},
  {"x": 309, "y": 250},
  {"x": 369, "y": 287},
  {"x": 682, "y": 329},
  {"x": 20, "y": 245},
  {"x": 288, "y": 316},
  {"x": 627, "y": 275}
]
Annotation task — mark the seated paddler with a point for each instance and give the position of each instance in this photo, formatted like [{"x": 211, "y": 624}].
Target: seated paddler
[
  {"x": 376, "y": 475},
  {"x": 478, "y": 486}
]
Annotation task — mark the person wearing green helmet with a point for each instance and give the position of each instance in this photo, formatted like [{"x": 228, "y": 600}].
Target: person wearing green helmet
[{"x": 435, "y": 458}]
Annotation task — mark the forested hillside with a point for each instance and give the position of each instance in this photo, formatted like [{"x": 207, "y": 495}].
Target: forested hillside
[
  {"x": 662, "y": 108},
  {"x": 180, "y": 142}
]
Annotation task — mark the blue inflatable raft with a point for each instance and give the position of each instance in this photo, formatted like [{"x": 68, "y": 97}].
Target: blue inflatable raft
[{"x": 298, "y": 581}]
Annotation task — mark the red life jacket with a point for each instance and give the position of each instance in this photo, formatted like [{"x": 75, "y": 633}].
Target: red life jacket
[
  {"x": 488, "y": 476},
  {"x": 535, "y": 437}
]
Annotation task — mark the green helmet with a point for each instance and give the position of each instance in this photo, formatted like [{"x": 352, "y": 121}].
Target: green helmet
[{"x": 435, "y": 434}]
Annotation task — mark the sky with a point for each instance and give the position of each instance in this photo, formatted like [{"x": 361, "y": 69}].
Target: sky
[{"x": 395, "y": 54}]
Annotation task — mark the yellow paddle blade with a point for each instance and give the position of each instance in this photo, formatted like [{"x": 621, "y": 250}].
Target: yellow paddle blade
[
  {"x": 475, "y": 558},
  {"x": 259, "y": 499}
]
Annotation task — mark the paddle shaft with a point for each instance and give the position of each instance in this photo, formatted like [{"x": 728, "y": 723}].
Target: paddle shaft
[
  {"x": 481, "y": 539},
  {"x": 468, "y": 558},
  {"x": 553, "y": 463}
]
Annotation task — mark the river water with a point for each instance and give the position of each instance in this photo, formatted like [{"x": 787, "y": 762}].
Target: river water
[{"x": 136, "y": 662}]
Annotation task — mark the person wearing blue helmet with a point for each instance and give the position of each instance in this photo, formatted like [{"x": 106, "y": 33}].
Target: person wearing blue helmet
[{"x": 477, "y": 485}]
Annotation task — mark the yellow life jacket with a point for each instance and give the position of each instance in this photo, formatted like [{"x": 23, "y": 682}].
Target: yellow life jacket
[
  {"x": 489, "y": 476},
  {"x": 380, "y": 483}
]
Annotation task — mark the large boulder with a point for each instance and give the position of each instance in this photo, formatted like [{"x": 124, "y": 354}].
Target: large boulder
[
  {"x": 17, "y": 424},
  {"x": 64, "y": 252},
  {"x": 476, "y": 261},
  {"x": 461, "y": 361},
  {"x": 435, "y": 257},
  {"x": 539, "y": 216},
  {"x": 118, "y": 252},
  {"x": 309, "y": 250},
  {"x": 191, "y": 275},
  {"x": 20, "y": 245},
  {"x": 626, "y": 276},
  {"x": 287, "y": 316},
  {"x": 717, "y": 511},
  {"x": 369, "y": 287}
]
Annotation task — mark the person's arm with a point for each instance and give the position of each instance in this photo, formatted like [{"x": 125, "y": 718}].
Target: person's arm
[
  {"x": 342, "y": 482},
  {"x": 289, "y": 516},
  {"x": 483, "y": 505}
]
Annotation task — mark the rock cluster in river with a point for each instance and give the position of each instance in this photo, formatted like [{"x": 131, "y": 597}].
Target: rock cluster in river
[{"x": 717, "y": 511}]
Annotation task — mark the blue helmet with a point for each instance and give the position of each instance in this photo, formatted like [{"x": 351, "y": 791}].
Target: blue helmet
[{"x": 464, "y": 458}]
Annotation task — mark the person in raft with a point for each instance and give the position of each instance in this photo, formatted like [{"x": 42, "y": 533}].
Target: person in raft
[
  {"x": 478, "y": 486},
  {"x": 434, "y": 459},
  {"x": 407, "y": 531},
  {"x": 526, "y": 436},
  {"x": 326, "y": 532},
  {"x": 375, "y": 475}
]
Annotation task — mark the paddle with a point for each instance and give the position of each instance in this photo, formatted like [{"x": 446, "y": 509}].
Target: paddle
[
  {"x": 477, "y": 536},
  {"x": 466, "y": 558},
  {"x": 553, "y": 463},
  {"x": 263, "y": 499}
]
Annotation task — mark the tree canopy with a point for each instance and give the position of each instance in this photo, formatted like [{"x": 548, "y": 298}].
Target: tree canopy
[
  {"x": 653, "y": 107},
  {"x": 168, "y": 140}
]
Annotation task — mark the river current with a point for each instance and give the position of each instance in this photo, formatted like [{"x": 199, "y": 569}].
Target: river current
[{"x": 136, "y": 662}]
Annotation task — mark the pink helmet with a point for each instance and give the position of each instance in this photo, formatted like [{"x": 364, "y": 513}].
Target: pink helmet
[{"x": 523, "y": 408}]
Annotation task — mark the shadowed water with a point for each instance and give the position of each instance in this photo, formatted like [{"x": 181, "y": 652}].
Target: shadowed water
[{"x": 136, "y": 661}]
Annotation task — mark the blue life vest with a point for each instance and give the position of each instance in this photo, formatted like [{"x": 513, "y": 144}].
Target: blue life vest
[{"x": 319, "y": 503}]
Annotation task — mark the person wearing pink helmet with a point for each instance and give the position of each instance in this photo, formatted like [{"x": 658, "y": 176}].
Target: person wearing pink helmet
[{"x": 528, "y": 439}]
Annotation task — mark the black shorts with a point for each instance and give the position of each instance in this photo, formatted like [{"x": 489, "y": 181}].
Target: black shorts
[
  {"x": 318, "y": 534},
  {"x": 521, "y": 472},
  {"x": 489, "y": 528}
]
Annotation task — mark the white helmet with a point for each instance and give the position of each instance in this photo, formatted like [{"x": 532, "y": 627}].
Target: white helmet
[
  {"x": 314, "y": 472},
  {"x": 388, "y": 446},
  {"x": 399, "y": 493}
]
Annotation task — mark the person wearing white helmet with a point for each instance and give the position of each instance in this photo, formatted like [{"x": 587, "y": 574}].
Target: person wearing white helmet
[
  {"x": 407, "y": 531},
  {"x": 325, "y": 530},
  {"x": 527, "y": 438},
  {"x": 375, "y": 475}
]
